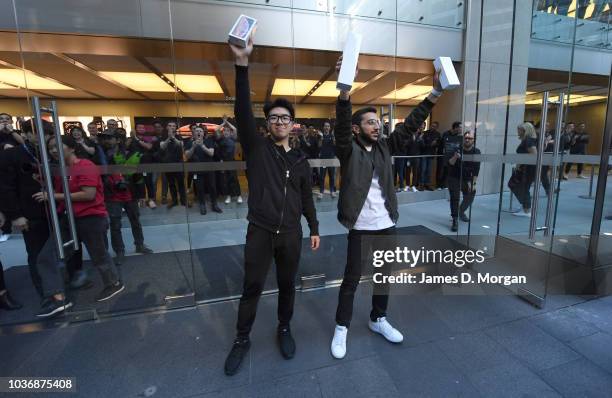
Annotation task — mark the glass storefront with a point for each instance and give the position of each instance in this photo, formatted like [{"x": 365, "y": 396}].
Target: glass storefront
[{"x": 142, "y": 81}]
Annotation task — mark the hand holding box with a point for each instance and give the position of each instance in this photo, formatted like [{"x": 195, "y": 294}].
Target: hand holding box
[{"x": 448, "y": 76}]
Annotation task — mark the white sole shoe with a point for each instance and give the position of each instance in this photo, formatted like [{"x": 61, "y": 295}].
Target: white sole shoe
[
  {"x": 384, "y": 328},
  {"x": 338, "y": 344}
]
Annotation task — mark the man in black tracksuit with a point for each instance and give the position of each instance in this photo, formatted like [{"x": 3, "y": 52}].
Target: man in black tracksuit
[
  {"x": 367, "y": 205},
  {"x": 462, "y": 179},
  {"x": 279, "y": 193}
]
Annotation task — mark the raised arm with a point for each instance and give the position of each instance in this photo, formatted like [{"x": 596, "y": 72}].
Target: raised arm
[
  {"x": 243, "y": 109},
  {"x": 419, "y": 114},
  {"x": 343, "y": 134}
]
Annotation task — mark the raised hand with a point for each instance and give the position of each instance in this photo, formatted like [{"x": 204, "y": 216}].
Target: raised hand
[
  {"x": 436, "y": 81},
  {"x": 241, "y": 55}
]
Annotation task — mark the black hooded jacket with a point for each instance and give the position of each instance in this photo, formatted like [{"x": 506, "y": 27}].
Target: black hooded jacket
[{"x": 279, "y": 182}]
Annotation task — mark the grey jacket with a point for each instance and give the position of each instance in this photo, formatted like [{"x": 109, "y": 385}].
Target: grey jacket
[{"x": 357, "y": 164}]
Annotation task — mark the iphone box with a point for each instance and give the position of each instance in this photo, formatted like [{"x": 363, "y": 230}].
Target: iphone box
[
  {"x": 448, "y": 75},
  {"x": 350, "y": 56},
  {"x": 242, "y": 29}
]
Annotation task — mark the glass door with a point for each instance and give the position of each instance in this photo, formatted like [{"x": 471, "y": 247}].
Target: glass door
[
  {"x": 524, "y": 83},
  {"x": 114, "y": 96}
]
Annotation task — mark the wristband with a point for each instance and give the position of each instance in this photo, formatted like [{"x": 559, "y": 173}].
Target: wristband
[{"x": 435, "y": 92}]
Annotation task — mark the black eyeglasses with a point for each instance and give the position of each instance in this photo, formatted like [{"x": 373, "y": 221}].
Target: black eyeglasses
[{"x": 285, "y": 119}]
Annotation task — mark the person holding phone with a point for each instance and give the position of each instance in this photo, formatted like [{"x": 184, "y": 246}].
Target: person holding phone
[
  {"x": 279, "y": 194},
  {"x": 367, "y": 205}
]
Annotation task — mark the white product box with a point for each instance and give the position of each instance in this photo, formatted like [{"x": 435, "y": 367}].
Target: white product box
[
  {"x": 350, "y": 56},
  {"x": 242, "y": 29},
  {"x": 448, "y": 76}
]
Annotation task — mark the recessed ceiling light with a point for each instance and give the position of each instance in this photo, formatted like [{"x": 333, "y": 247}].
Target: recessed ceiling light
[
  {"x": 140, "y": 81},
  {"x": 408, "y": 92},
  {"x": 206, "y": 84},
  {"x": 17, "y": 77}
]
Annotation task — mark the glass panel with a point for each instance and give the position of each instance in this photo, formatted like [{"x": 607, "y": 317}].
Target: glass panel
[
  {"x": 17, "y": 168},
  {"x": 109, "y": 90},
  {"x": 205, "y": 73},
  {"x": 514, "y": 73},
  {"x": 316, "y": 106}
]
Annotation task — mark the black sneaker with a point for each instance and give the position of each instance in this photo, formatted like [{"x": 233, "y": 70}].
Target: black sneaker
[
  {"x": 144, "y": 249},
  {"x": 52, "y": 307},
  {"x": 236, "y": 355},
  {"x": 454, "y": 226},
  {"x": 8, "y": 303},
  {"x": 110, "y": 291},
  {"x": 202, "y": 209},
  {"x": 216, "y": 208},
  {"x": 463, "y": 217},
  {"x": 286, "y": 342}
]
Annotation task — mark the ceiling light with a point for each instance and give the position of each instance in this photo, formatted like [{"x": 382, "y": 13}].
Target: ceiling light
[
  {"x": 574, "y": 99},
  {"x": 139, "y": 81},
  {"x": 292, "y": 87},
  {"x": 328, "y": 89},
  {"x": 408, "y": 92},
  {"x": 17, "y": 77},
  {"x": 196, "y": 83}
]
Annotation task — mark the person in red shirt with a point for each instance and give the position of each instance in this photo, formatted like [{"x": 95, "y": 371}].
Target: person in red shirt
[{"x": 87, "y": 196}]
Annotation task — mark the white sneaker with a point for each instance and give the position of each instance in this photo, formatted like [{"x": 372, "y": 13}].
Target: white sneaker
[
  {"x": 4, "y": 237},
  {"x": 406, "y": 189},
  {"x": 522, "y": 214},
  {"x": 239, "y": 199},
  {"x": 334, "y": 194},
  {"x": 383, "y": 327},
  {"x": 338, "y": 344},
  {"x": 583, "y": 177},
  {"x": 414, "y": 189},
  {"x": 319, "y": 196},
  {"x": 228, "y": 200}
]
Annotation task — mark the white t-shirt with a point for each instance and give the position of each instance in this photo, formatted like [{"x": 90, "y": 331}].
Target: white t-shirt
[{"x": 374, "y": 215}]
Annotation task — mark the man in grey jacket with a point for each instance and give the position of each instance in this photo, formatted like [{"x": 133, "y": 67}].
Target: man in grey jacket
[{"x": 368, "y": 204}]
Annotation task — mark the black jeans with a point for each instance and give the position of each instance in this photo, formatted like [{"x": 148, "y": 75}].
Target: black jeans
[
  {"x": 176, "y": 183},
  {"x": 455, "y": 188},
  {"x": 164, "y": 186},
  {"x": 261, "y": 247},
  {"x": 331, "y": 171},
  {"x": 441, "y": 172},
  {"x": 400, "y": 170},
  {"x": 232, "y": 186},
  {"x": 205, "y": 183},
  {"x": 412, "y": 172},
  {"x": 355, "y": 261},
  {"x": 579, "y": 167},
  {"x": 151, "y": 183},
  {"x": 522, "y": 190},
  {"x": 91, "y": 230},
  {"x": 544, "y": 178},
  {"x": 34, "y": 239},
  {"x": 115, "y": 213}
]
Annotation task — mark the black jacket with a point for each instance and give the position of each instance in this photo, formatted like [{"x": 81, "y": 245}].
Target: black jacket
[
  {"x": 465, "y": 170},
  {"x": 17, "y": 184},
  {"x": 357, "y": 164},
  {"x": 279, "y": 183}
]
